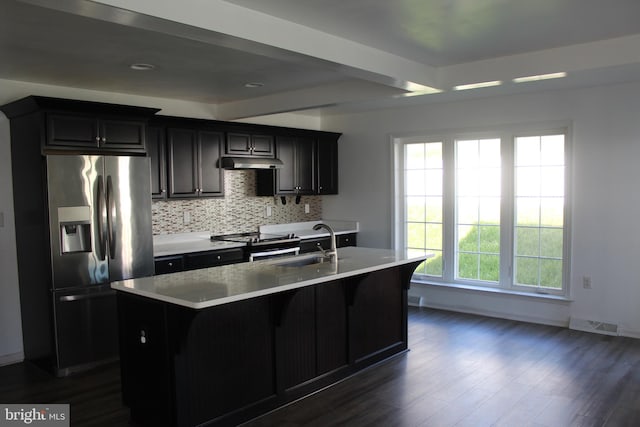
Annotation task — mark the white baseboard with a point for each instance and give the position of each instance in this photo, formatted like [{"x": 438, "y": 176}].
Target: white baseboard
[{"x": 9, "y": 359}]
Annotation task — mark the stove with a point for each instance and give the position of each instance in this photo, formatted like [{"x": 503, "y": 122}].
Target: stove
[{"x": 260, "y": 245}]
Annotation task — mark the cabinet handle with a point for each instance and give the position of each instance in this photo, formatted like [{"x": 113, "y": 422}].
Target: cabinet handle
[
  {"x": 104, "y": 140},
  {"x": 170, "y": 264},
  {"x": 98, "y": 139},
  {"x": 218, "y": 256},
  {"x": 163, "y": 190}
]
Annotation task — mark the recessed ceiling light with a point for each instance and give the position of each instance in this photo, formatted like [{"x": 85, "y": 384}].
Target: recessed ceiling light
[
  {"x": 142, "y": 67},
  {"x": 540, "y": 77},
  {"x": 253, "y": 84},
  {"x": 478, "y": 85}
]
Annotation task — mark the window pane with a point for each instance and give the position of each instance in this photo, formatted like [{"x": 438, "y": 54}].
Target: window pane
[
  {"x": 468, "y": 266},
  {"x": 539, "y": 232},
  {"x": 551, "y": 242},
  {"x": 423, "y": 204},
  {"x": 434, "y": 236},
  {"x": 468, "y": 238},
  {"x": 414, "y": 156},
  {"x": 528, "y": 211},
  {"x": 552, "y": 211},
  {"x": 551, "y": 273},
  {"x": 415, "y": 183},
  {"x": 434, "y": 209},
  {"x": 489, "y": 267},
  {"x": 416, "y": 235},
  {"x": 527, "y": 271},
  {"x": 489, "y": 239},
  {"x": 434, "y": 265},
  {"x": 490, "y": 210},
  {"x": 479, "y": 186},
  {"x": 468, "y": 210},
  {"x": 416, "y": 209},
  {"x": 528, "y": 151},
  {"x": 527, "y": 241}
]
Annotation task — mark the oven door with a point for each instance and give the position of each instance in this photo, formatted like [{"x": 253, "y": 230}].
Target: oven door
[{"x": 273, "y": 253}]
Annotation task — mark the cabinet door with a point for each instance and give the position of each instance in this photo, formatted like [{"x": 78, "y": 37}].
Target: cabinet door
[
  {"x": 213, "y": 258},
  {"x": 305, "y": 168},
  {"x": 343, "y": 240},
  {"x": 295, "y": 337},
  {"x": 124, "y": 135},
  {"x": 286, "y": 175},
  {"x": 169, "y": 264},
  {"x": 376, "y": 315},
  {"x": 312, "y": 245},
  {"x": 156, "y": 151},
  {"x": 327, "y": 166},
  {"x": 331, "y": 327},
  {"x": 183, "y": 160},
  {"x": 238, "y": 144},
  {"x": 262, "y": 145},
  {"x": 211, "y": 176},
  {"x": 72, "y": 130}
]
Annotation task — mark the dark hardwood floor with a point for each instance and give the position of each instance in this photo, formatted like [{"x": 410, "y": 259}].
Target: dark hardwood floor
[{"x": 462, "y": 370}]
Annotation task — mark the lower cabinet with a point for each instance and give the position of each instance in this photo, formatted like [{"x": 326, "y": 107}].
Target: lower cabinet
[
  {"x": 342, "y": 240},
  {"x": 193, "y": 261},
  {"x": 226, "y": 364}
]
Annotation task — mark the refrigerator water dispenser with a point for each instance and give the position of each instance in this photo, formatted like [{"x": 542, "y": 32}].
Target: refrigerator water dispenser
[{"x": 75, "y": 229}]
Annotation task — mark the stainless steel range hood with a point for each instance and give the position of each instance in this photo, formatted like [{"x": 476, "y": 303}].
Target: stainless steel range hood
[{"x": 250, "y": 163}]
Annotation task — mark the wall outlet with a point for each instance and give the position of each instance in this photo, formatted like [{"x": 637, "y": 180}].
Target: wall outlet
[
  {"x": 586, "y": 282},
  {"x": 306, "y": 208},
  {"x": 186, "y": 217},
  {"x": 268, "y": 211}
]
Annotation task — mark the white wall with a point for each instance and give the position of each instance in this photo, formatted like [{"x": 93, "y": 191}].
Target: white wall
[
  {"x": 606, "y": 200},
  {"x": 10, "y": 324}
]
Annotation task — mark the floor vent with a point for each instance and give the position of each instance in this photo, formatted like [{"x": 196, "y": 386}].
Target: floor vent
[
  {"x": 415, "y": 300},
  {"x": 593, "y": 326}
]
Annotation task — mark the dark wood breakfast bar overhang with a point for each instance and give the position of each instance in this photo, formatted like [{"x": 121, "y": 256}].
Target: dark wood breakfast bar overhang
[{"x": 222, "y": 345}]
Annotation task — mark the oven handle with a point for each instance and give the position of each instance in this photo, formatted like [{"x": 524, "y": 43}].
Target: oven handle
[{"x": 254, "y": 255}]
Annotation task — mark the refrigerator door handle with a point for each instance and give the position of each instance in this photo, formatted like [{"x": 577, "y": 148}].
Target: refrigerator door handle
[
  {"x": 111, "y": 218},
  {"x": 102, "y": 213},
  {"x": 79, "y": 297}
]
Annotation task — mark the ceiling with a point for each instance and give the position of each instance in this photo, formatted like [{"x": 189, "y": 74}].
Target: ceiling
[{"x": 318, "y": 56}]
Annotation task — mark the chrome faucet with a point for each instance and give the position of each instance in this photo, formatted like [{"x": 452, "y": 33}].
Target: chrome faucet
[{"x": 332, "y": 253}]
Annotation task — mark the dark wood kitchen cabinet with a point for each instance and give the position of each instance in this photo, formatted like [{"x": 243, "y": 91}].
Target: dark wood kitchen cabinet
[
  {"x": 196, "y": 260},
  {"x": 249, "y": 144},
  {"x": 296, "y": 176},
  {"x": 327, "y": 165},
  {"x": 75, "y": 130},
  {"x": 342, "y": 240},
  {"x": 83, "y": 127},
  {"x": 156, "y": 150},
  {"x": 193, "y": 169}
]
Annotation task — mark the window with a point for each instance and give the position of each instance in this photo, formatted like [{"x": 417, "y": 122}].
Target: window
[{"x": 490, "y": 207}]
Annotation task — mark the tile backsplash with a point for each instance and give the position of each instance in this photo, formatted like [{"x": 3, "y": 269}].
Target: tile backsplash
[{"x": 240, "y": 210}]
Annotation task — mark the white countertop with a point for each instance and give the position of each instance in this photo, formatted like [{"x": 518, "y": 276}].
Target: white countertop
[
  {"x": 184, "y": 243},
  {"x": 221, "y": 285}
]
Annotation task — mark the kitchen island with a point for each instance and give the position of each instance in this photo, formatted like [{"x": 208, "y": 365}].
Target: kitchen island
[{"x": 222, "y": 345}]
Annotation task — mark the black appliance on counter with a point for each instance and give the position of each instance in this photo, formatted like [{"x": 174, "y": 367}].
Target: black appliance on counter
[{"x": 261, "y": 246}]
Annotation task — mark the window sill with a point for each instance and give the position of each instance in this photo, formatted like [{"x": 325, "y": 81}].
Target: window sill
[{"x": 499, "y": 291}]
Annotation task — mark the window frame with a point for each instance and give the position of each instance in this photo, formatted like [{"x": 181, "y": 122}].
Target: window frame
[{"x": 507, "y": 135}]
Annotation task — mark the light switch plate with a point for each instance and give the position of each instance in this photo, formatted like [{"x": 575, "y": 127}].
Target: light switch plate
[{"x": 306, "y": 208}]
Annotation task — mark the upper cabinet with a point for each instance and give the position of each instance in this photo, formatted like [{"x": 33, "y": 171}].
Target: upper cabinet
[
  {"x": 85, "y": 127},
  {"x": 297, "y": 173},
  {"x": 327, "y": 164},
  {"x": 156, "y": 148},
  {"x": 76, "y": 130},
  {"x": 185, "y": 155},
  {"x": 310, "y": 166},
  {"x": 193, "y": 163},
  {"x": 249, "y": 144}
]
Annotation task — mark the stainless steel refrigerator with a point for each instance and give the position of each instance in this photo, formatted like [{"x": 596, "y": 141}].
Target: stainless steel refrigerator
[{"x": 99, "y": 213}]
